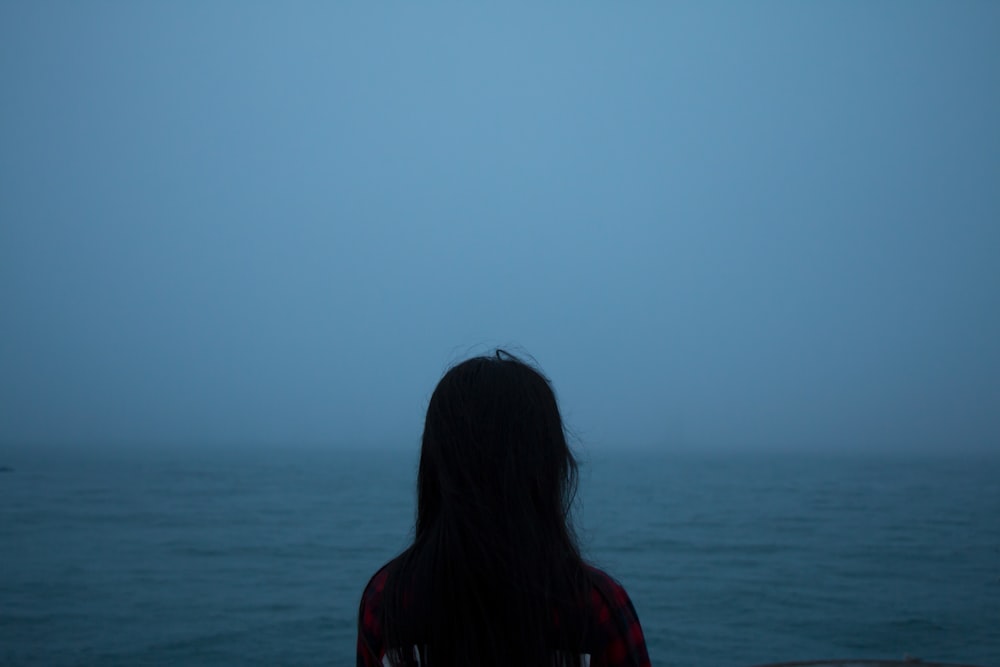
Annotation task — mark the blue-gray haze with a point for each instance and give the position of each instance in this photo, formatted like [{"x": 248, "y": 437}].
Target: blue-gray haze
[
  {"x": 738, "y": 225},
  {"x": 240, "y": 242}
]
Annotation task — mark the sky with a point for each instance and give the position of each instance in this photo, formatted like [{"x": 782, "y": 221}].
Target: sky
[{"x": 713, "y": 225}]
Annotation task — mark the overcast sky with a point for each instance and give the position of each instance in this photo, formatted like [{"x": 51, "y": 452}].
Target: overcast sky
[{"x": 713, "y": 225}]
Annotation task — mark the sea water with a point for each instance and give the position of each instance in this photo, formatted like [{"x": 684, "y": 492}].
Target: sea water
[{"x": 258, "y": 557}]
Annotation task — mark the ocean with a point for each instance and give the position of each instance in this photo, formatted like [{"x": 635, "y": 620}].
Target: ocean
[{"x": 258, "y": 556}]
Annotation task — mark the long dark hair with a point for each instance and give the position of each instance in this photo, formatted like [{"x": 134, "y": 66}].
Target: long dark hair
[{"x": 494, "y": 575}]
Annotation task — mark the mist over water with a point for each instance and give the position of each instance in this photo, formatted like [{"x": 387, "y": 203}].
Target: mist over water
[{"x": 713, "y": 227}]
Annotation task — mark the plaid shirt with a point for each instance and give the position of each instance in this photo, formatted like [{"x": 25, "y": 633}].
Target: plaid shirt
[{"x": 617, "y": 626}]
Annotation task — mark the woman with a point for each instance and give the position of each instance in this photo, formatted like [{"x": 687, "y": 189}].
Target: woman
[{"x": 494, "y": 576}]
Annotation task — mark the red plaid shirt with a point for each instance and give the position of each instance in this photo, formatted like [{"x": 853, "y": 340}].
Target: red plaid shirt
[{"x": 618, "y": 631}]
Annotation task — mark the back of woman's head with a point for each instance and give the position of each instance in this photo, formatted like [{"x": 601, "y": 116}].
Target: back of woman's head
[
  {"x": 494, "y": 449},
  {"x": 494, "y": 560}
]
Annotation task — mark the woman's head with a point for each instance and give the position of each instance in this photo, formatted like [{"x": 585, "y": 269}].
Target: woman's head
[
  {"x": 494, "y": 557},
  {"x": 494, "y": 448}
]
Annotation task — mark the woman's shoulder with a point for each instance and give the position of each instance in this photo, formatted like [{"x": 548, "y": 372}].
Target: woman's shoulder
[
  {"x": 617, "y": 637},
  {"x": 601, "y": 576},
  {"x": 370, "y": 639},
  {"x": 606, "y": 586},
  {"x": 616, "y": 622},
  {"x": 371, "y": 597},
  {"x": 376, "y": 583}
]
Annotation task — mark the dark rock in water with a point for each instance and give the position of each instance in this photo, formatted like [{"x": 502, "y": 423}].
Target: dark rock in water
[{"x": 6, "y": 469}]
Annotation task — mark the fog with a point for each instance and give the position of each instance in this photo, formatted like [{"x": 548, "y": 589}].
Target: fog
[{"x": 712, "y": 225}]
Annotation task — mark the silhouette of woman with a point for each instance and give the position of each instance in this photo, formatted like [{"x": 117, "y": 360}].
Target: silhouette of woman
[{"x": 494, "y": 576}]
